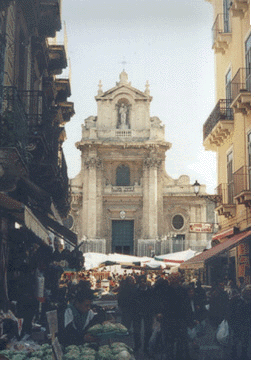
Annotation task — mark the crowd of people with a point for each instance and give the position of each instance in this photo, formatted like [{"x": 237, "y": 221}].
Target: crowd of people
[
  {"x": 167, "y": 303},
  {"x": 163, "y": 312}
]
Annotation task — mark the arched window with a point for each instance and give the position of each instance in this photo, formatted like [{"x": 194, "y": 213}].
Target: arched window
[{"x": 123, "y": 175}]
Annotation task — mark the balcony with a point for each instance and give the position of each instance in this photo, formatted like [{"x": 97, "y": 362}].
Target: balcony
[
  {"x": 57, "y": 59},
  {"x": 123, "y": 190},
  {"x": 67, "y": 110},
  {"x": 63, "y": 90},
  {"x": 36, "y": 107},
  {"x": 241, "y": 91},
  {"x": 219, "y": 125},
  {"x": 50, "y": 17},
  {"x": 226, "y": 204},
  {"x": 242, "y": 186},
  {"x": 221, "y": 34},
  {"x": 14, "y": 155},
  {"x": 239, "y": 7}
]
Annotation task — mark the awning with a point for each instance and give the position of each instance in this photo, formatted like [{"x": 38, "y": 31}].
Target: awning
[
  {"x": 40, "y": 223},
  {"x": 226, "y": 233},
  {"x": 200, "y": 260}
]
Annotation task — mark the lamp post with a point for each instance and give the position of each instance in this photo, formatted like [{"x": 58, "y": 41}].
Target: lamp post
[{"x": 211, "y": 197}]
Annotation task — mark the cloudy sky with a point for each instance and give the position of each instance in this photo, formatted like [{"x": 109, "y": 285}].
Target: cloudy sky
[{"x": 168, "y": 43}]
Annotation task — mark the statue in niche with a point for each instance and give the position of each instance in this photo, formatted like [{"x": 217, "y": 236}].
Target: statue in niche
[{"x": 123, "y": 111}]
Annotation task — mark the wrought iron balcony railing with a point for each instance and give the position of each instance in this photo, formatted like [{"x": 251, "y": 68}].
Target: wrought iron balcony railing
[
  {"x": 242, "y": 180},
  {"x": 226, "y": 192},
  {"x": 222, "y": 111},
  {"x": 221, "y": 25},
  {"x": 241, "y": 82},
  {"x": 13, "y": 121},
  {"x": 36, "y": 107}
]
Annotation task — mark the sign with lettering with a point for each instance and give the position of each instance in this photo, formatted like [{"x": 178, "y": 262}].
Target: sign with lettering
[{"x": 201, "y": 227}]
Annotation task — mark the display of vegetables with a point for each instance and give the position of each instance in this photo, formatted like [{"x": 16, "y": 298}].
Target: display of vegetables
[
  {"x": 116, "y": 351},
  {"x": 25, "y": 350},
  {"x": 44, "y": 353},
  {"x": 106, "y": 327}
]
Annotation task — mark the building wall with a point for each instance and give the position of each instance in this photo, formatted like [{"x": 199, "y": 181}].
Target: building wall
[
  {"x": 230, "y": 55},
  {"x": 151, "y": 197}
]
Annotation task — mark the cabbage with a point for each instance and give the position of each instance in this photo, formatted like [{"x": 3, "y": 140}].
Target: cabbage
[
  {"x": 97, "y": 328},
  {"x": 71, "y": 347},
  {"x": 123, "y": 355},
  {"x": 120, "y": 328},
  {"x": 87, "y": 357}
]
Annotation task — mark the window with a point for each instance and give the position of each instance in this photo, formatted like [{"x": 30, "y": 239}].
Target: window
[
  {"x": 178, "y": 221},
  {"x": 230, "y": 178},
  {"x": 123, "y": 175},
  {"x": 226, "y": 6},
  {"x": 248, "y": 62}
]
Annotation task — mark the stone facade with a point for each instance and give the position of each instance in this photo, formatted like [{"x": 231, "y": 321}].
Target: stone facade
[{"x": 123, "y": 192}]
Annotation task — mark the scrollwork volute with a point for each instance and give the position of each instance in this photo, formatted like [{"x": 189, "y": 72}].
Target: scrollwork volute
[{"x": 93, "y": 162}]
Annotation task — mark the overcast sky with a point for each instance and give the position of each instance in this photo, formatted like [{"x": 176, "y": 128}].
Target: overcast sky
[{"x": 168, "y": 43}]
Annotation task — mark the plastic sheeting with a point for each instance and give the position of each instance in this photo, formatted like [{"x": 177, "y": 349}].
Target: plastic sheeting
[
  {"x": 93, "y": 260},
  {"x": 176, "y": 257}
]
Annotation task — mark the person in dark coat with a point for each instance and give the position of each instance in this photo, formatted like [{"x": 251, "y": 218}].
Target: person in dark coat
[
  {"x": 79, "y": 317},
  {"x": 184, "y": 317},
  {"x": 143, "y": 304},
  {"x": 240, "y": 324},
  {"x": 125, "y": 299},
  {"x": 219, "y": 303}
]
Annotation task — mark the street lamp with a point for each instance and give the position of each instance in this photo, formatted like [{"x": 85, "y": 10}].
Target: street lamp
[
  {"x": 211, "y": 197},
  {"x": 196, "y": 186}
]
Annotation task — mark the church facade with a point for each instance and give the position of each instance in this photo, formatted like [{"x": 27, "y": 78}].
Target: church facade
[{"x": 123, "y": 200}]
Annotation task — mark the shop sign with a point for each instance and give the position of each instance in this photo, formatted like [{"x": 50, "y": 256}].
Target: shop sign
[{"x": 201, "y": 227}]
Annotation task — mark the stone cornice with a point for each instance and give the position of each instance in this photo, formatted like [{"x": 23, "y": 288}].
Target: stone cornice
[{"x": 116, "y": 144}]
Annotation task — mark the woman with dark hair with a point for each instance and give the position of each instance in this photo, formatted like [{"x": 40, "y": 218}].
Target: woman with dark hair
[{"x": 79, "y": 317}]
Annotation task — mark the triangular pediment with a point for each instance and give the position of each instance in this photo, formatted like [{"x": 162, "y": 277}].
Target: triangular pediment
[{"x": 123, "y": 89}]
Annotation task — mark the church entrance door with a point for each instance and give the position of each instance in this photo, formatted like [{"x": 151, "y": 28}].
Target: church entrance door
[{"x": 122, "y": 236}]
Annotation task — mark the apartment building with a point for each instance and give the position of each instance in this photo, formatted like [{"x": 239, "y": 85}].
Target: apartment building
[
  {"x": 227, "y": 131},
  {"x": 34, "y": 190}
]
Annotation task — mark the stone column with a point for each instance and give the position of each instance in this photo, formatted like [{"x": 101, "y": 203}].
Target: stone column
[
  {"x": 145, "y": 220},
  {"x": 152, "y": 164},
  {"x": 91, "y": 164}
]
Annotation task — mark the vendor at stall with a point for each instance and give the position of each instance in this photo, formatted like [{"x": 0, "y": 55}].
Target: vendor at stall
[{"x": 79, "y": 317}]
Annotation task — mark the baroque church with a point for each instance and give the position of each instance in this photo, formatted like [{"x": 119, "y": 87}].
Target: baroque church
[{"x": 123, "y": 200}]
